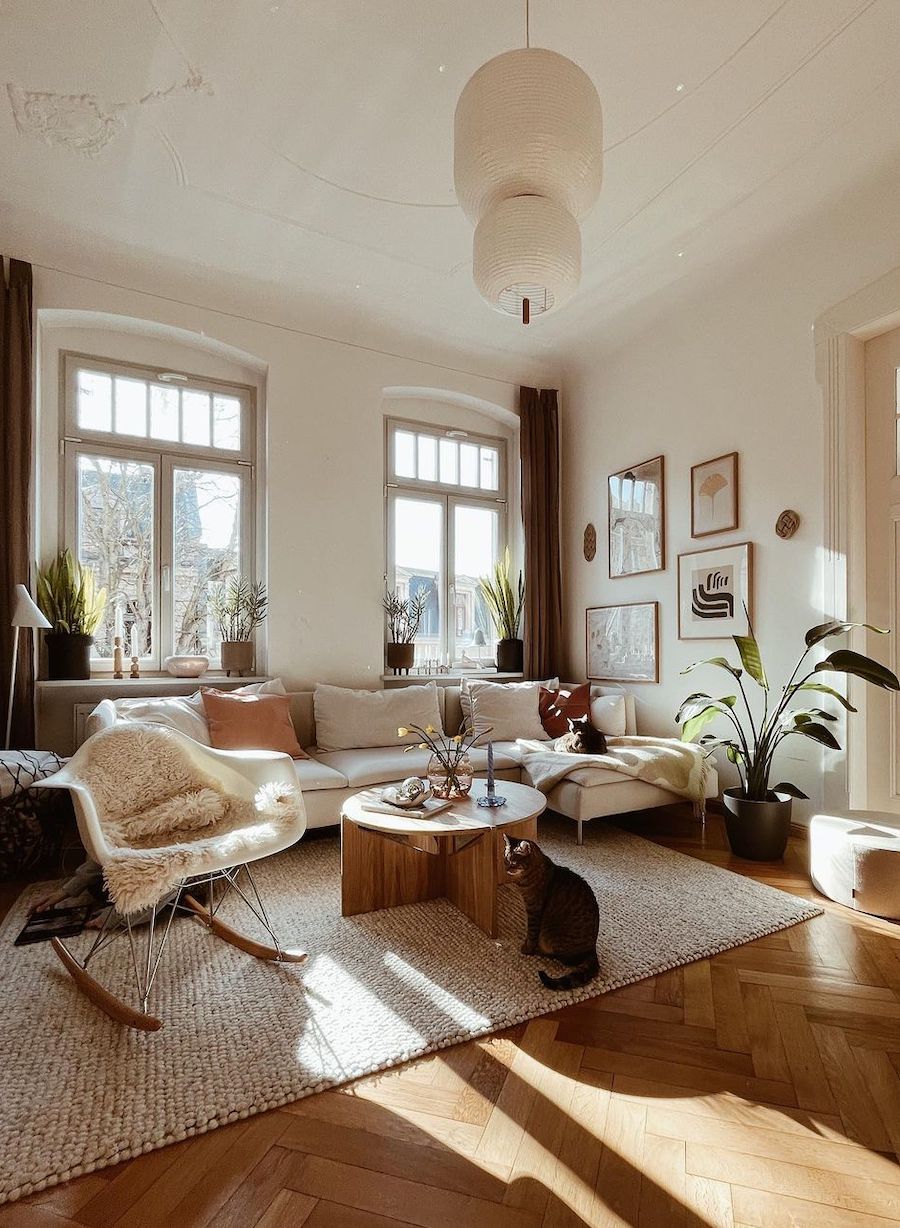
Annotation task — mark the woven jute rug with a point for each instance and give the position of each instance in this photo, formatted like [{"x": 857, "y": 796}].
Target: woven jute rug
[{"x": 79, "y": 1092}]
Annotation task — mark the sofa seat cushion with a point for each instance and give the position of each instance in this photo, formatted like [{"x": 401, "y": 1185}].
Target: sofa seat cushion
[
  {"x": 312, "y": 774},
  {"x": 379, "y": 764}
]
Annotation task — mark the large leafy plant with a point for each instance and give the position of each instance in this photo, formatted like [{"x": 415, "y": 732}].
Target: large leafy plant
[
  {"x": 68, "y": 596},
  {"x": 238, "y": 608},
  {"x": 504, "y": 604},
  {"x": 756, "y": 738}
]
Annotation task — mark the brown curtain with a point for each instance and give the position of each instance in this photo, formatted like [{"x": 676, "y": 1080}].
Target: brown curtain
[
  {"x": 16, "y": 336},
  {"x": 539, "y": 438}
]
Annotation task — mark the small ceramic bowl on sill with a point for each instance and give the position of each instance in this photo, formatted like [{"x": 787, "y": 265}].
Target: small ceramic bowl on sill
[{"x": 186, "y": 666}]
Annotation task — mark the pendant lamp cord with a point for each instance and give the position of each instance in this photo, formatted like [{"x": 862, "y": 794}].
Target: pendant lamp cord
[{"x": 527, "y": 23}]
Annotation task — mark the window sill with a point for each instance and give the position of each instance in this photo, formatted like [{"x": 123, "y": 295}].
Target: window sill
[
  {"x": 159, "y": 682},
  {"x": 453, "y": 678}
]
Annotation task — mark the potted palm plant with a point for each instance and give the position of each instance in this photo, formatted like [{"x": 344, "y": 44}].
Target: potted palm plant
[
  {"x": 69, "y": 599},
  {"x": 505, "y": 608},
  {"x": 239, "y": 607},
  {"x": 404, "y": 617},
  {"x": 758, "y": 813}
]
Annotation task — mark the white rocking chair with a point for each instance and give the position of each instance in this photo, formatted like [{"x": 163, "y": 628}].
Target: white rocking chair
[{"x": 201, "y": 859}]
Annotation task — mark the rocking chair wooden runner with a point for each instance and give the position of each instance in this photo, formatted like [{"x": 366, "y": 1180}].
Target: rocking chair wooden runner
[{"x": 255, "y": 780}]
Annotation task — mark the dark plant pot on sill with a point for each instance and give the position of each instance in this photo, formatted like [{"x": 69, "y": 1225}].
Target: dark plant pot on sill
[
  {"x": 757, "y": 830},
  {"x": 400, "y": 657},
  {"x": 237, "y": 657},
  {"x": 510, "y": 656},
  {"x": 68, "y": 656}
]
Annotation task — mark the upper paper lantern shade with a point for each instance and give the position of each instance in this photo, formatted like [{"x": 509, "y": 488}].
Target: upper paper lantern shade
[{"x": 528, "y": 128}]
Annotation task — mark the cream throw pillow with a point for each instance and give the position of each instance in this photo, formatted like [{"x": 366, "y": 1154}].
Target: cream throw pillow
[
  {"x": 608, "y": 715},
  {"x": 509, "y": 709},
  {"x": 348, "y": 720}
]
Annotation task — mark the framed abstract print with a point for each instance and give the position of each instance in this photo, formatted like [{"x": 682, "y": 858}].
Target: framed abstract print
[
  {"x": 714, "y": 495},
  {"x": 714, "y": 586},
  {"x": 622, "y": 642},
  {"x": 637, "y": 528}
]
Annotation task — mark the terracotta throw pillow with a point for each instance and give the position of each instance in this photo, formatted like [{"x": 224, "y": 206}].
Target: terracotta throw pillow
[
  {"x": 559, "y": 707},
  {"x": 251, "y": 722}
]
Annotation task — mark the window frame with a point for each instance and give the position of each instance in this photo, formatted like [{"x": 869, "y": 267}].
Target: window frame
[
  {"x": 449, "y": 496},
  {"x": 165, "y": 456}
]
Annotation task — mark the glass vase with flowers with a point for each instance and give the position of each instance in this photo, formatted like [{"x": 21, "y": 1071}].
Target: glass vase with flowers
[{"x": 450, "y": 771}]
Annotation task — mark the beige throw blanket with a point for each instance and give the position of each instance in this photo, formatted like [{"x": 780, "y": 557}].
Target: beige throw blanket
[{"x": 679, "y": 767}]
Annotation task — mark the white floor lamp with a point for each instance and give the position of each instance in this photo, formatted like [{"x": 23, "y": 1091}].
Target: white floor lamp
[{"x": 26, "y": 614}]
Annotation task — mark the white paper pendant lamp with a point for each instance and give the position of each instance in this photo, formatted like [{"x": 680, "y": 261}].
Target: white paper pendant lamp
[{"x": 527, "y": 166}]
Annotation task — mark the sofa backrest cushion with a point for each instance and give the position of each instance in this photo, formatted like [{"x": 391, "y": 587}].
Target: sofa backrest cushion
[
  {"x": 563, "y": 705},
  {"x": 627, "y": 697},
  {"x": 502, "y": 711},
  {"x": 250, "y": 722},
  {"x": 348, "y": 719}
]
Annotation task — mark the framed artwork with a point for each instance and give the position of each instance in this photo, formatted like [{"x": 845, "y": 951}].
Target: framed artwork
[
  {"x": 714, "y": 495},
  {"x": 714, "y": 585},
  {"x": 622, "y": 642},
  {"x": 637, "y": 525}
]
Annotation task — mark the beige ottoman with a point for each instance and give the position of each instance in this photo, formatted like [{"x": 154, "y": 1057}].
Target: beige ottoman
[{"x": 854, "y": 858}]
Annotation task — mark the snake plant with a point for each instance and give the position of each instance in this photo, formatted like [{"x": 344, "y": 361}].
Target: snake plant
[
  {"x": 504, "y": 605},
  {"x": 68, "y": 596}
]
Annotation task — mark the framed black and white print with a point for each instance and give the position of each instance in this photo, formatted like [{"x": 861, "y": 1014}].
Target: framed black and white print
[
  {"x": 714, "y": 586},
  {"x": 637, "y": 525},
  {"x": 622, "y": 642}
]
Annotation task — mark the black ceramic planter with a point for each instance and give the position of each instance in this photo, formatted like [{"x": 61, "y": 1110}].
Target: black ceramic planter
[
  {"x": 400, "y": 657},
  {"x": 510, "y": 656},
  {"x": 68, "y": 656},
  {"x": 757, "y": 830}
]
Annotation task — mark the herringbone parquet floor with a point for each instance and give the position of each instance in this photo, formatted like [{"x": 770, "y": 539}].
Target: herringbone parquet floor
[{"x": 759, "y": 1088}]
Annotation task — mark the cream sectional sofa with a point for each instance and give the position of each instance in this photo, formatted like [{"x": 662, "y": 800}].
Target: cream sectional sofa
[{"x": 328, "y": 777}]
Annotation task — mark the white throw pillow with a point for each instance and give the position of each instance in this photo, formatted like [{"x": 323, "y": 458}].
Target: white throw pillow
[
  {"x": 173, "y": 711},
  {"x": 349, "y": 720},
  {"x": 608, "y": 715},
  {"x": 509, "y": 710}
]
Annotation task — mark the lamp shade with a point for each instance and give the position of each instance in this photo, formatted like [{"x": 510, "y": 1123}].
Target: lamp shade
[
  {"x": 26, "y": 613},
  {"x": 527, "y": 247},
  {"x": 478, "y": 638}
]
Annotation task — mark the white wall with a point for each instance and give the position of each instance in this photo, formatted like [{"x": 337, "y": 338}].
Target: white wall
[
  {"x": 324, "y": 423},
  {"x": 729, "y": 366}
]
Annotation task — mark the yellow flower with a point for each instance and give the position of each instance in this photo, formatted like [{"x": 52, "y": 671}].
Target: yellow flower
[
  {"x": 402, "y": 731},
  {"x": 430, "y": 729},
  {"x": 458, "y": 738}
]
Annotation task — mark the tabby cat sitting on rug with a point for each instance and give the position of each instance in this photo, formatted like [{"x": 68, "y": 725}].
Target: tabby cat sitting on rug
[{"x": 563, "y": 916}]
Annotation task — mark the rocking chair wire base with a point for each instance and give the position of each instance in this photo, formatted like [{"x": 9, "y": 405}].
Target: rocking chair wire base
[{"x": 146, "y": 963}]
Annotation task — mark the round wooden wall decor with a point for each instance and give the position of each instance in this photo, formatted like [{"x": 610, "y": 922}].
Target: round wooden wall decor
[
  {"x": 590, "y": 543},
  {"x": 787, "y": 524}
]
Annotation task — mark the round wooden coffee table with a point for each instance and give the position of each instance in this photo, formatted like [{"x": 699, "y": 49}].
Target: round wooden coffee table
[{"x": 391, "y": 859}]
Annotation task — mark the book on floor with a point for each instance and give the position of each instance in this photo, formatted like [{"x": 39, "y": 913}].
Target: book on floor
[{"x": 54, "y": 923}]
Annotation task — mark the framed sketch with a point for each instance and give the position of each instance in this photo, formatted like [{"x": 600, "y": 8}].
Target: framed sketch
[
  {"x": 622, "y": 642},
  {"x": 714, "y": 585},
  {"x": 714, "y": 495},
  {"x": 637, "y": 522}
]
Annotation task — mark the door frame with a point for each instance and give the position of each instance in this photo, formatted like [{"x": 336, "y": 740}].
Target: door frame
[{"x": 840, "y": 335}]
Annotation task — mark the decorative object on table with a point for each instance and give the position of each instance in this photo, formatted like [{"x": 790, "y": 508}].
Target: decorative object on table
[
  {"x": 450, "y": 769},
  {"x": 404, "y": 616},
  {"x": 637, "y": 520},
  {"x": 714, "y": 495},
  {"x": 787, "y": 524},
  {"x": 492, "y": 798},
  {"x": 378, "y": 802},
  {"x": 25, "y": 614},
  {"x": 527, "y": 167},
  {"x": 590, "y": 543},
  {"x": 715, "y": 590},
  {"x": 135, "y": 667},
  {"x": 505, "y": 608},
  {"x": 239, "y": 608},
  {"x": 33, "y": 822},
  {"x": 68, "y": 596},
  {"x": 622, "y": 642},
  {"x": 118, "y": 661},
  {"x": 758, "y": 813},
  {"x": 412, "y": 792},
  {"x": 186, "y": 666}
]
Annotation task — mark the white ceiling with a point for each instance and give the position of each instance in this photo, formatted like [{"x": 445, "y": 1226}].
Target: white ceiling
[{"x": 305, "y": 145}]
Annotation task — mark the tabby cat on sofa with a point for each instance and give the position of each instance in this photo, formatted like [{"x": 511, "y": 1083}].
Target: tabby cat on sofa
[
  {"x": 563, "y": 916},
  {"x": 582, "y": 739}
]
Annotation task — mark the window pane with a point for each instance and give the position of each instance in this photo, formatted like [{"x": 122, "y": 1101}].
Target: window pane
[
  {"x": 195, "y": 417},
  {"x": 115, "y": 538},
  {"x": 427, "y": 458},
  {"x": 475, "y": 535},
  {"x": 131, "y": 406},
  {"x": 227, "y": 423},
  {"x": 207, "y": 528},
  {"x": 94, "y": 401},
  {"x": 404, "y": 454},
  {"x": 490, "y": 469},
  {"x": 449, "y": 451},
  {"x": 468, "y": 464},
  {"x": 164, "y": 412},
  {"x": 418, "y": 540}
]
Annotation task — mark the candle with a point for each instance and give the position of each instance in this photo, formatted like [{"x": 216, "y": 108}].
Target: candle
[
  {"x": 135, "y": 641},
  {"x": 490, "y": 770},
  {"x": 120, "y": 621}
]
